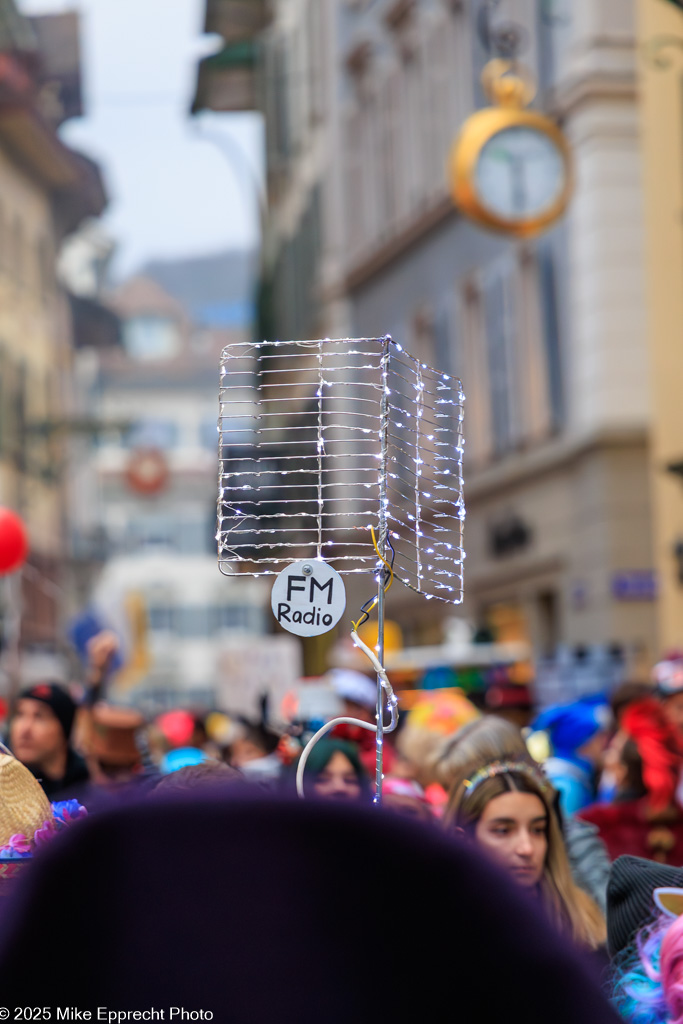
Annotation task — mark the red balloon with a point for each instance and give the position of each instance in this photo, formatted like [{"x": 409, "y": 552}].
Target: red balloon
[{"x": 13, "y": 541}]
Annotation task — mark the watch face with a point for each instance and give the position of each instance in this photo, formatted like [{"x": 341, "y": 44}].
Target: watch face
[{"x": 520, "y": 173}]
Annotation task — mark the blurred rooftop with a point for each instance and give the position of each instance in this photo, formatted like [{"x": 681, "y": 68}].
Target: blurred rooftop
[{"x": 216, "y": 290}]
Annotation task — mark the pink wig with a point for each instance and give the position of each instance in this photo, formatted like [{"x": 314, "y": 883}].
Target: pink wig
[{"x": 671, "y": 970}]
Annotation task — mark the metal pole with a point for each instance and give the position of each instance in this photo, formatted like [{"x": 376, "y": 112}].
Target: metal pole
[
  {"x": 379, "y": 735},
  {"x": 382, "y": 545}
]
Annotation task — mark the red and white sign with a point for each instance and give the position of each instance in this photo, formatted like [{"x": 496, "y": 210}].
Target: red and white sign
[{"x": 147, "y": 471}]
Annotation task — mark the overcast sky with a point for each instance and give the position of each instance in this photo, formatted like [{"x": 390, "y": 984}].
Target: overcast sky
[{"x": 172, "y": 192}]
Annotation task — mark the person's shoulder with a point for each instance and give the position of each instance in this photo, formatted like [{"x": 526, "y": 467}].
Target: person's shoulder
[{"x": 579, "y": 833}]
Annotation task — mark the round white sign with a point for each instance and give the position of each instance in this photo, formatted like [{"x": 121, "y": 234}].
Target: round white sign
[{"x": 308, "y": 597}]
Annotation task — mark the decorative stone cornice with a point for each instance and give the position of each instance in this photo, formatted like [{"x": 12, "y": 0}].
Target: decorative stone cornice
[
  {"x": 581, "y": 89},
  {"x": 377, "y": 258},
  {"x": 559, "y": 452},
  {"x": 511, "y": 573}
]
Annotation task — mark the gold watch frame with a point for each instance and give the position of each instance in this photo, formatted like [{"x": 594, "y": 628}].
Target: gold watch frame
[{"x": 465, "y": 152}]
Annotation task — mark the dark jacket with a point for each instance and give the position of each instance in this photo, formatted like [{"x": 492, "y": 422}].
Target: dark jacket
[{"x": 73, "y": 782}]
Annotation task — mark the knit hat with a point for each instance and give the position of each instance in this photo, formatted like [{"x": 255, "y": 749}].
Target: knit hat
[
  {"x": 572, "y": 725},
  {"x": 630, "y": 903},
  {"x": 57, "y": 699}
]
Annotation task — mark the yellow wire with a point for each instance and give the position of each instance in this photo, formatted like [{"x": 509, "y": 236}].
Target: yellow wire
[
  {"x": 366, "y": 612},
  {"x": 391, "y": 579},
  {"x": 382, "y": 559}
]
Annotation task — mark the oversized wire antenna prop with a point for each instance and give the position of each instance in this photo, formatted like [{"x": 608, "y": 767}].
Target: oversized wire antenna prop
[{"x": 339, "y": 457}]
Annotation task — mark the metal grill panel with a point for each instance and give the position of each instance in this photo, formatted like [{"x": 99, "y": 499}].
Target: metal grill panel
[{"x": 311, "y": 433}]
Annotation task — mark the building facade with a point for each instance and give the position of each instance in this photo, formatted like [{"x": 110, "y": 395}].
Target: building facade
[
  {"x": 549, "y": 335},
  {"x": 660, "y": 34},
  {"x": 276, "y": 59},
  {"x": 153, "y": 513},
  {"x": 46, "y": 191}
]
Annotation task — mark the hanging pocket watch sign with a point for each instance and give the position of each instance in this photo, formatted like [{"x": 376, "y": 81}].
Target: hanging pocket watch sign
[
  {"x": 510, "y": 168},
  {"x": 308, "y": 597}
]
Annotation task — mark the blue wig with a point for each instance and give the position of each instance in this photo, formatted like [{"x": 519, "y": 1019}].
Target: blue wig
[{"x": 638, "y": 993}]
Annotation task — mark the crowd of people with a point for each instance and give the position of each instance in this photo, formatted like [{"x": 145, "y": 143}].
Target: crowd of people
[{"x": 580, "y": 806}]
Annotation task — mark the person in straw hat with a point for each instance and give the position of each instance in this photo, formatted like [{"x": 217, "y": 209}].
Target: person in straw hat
[
  {"x": 27, "y": 818},
  {"x": 24, "y": 808}
]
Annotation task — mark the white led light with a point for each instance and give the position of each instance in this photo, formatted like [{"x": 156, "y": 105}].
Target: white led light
[{"x": 311, "y": 477}]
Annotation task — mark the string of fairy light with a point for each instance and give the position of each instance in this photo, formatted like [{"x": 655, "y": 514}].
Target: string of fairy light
[{"x": 312, "y": 433}]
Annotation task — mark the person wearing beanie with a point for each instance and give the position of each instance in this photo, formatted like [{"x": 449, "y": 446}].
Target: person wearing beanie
[
  {"x": 39, "y": 737},
  {"x": 578, "y": 735},
  {"x": 646, "y": 757},
  {"x": 629, "y": 898},
  {"x": 646, "y": 941}
]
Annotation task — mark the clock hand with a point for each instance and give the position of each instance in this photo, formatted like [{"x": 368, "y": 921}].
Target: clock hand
[
  {"x": 502, "y": 154},
  {"x": 519, "y": 189}
]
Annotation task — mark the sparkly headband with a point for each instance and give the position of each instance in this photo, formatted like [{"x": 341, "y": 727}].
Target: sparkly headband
[{"x": 489, "y": 771}]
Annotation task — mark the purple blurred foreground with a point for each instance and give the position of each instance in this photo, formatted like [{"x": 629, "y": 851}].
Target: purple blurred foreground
[{"x": 258, "y": 909}]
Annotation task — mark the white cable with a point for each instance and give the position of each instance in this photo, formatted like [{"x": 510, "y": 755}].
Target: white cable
[
  {"x": 379, "y": 669},
  {"x": 392, "y": 699},
  {"x": 318, "y": 735},
  {"x": 392, "y": 703}
]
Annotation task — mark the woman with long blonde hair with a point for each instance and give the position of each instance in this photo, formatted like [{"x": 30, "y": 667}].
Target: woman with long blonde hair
[{"x": 506, "y": 808}]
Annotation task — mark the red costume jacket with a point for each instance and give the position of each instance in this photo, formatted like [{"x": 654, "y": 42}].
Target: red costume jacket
[{"x": 633, "y": 827}]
